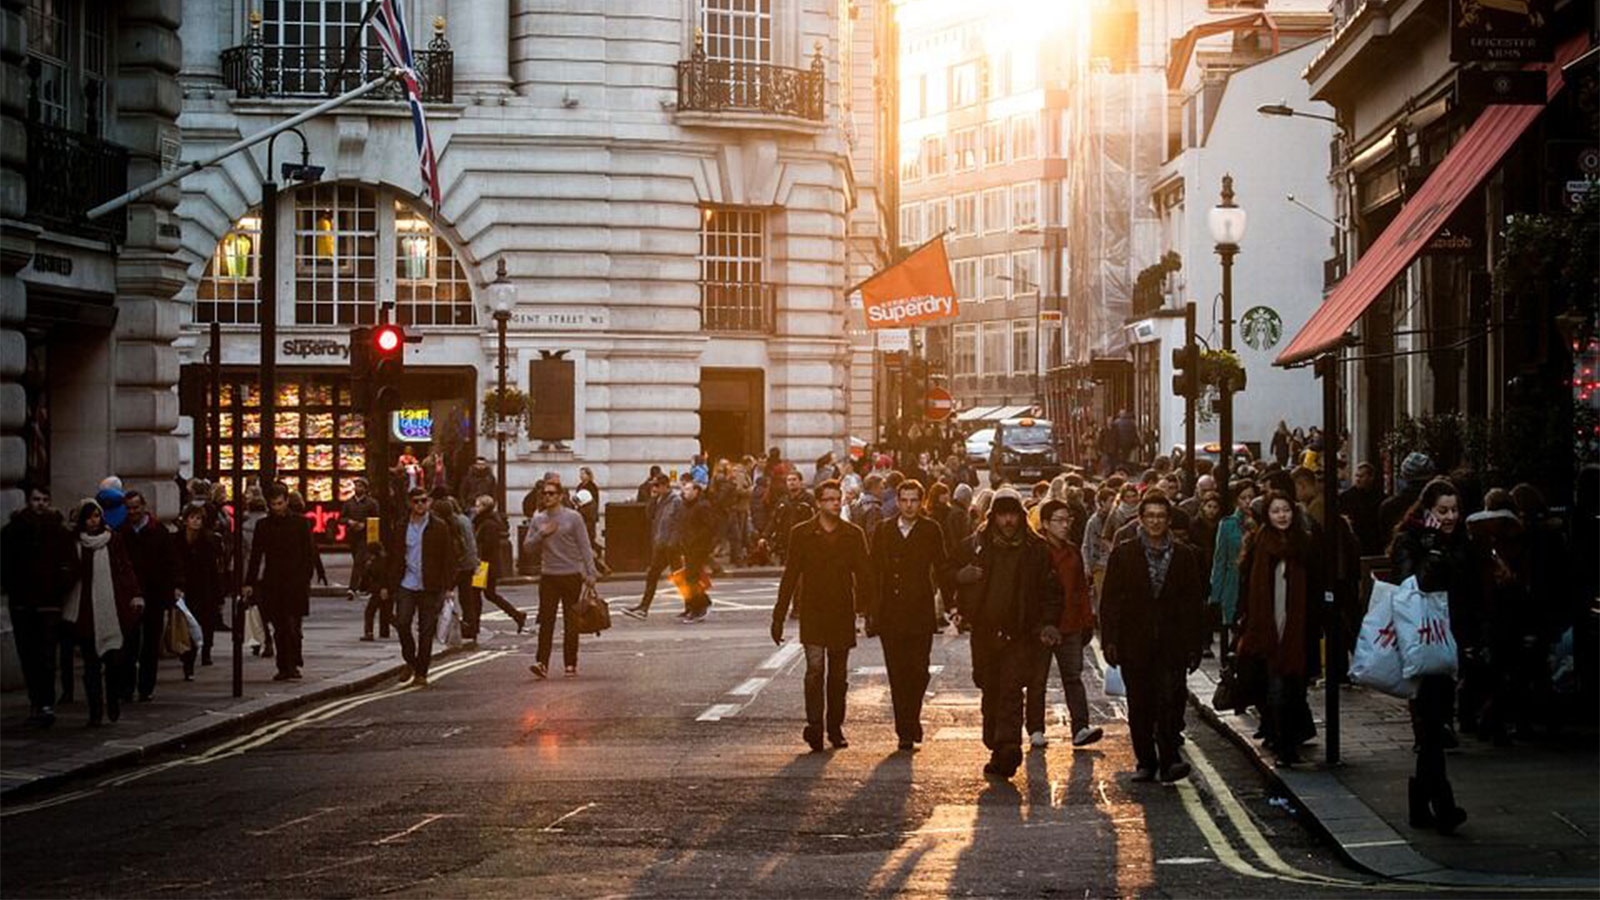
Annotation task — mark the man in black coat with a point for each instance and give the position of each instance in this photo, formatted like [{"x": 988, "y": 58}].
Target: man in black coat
[
  {"x": 1360, "y": 503},
  {"x": 36, "y": 558},
  {"x": 827, "y": 567},
  {"x": 153, "y": 551},
  {"x": 283, "y": 541},
  {"x": 422, "y": 567},
  {"x": 1152, "y": 624},
  {"x": 1012, "y": 599},
  {"x": 908, "y": 561}
]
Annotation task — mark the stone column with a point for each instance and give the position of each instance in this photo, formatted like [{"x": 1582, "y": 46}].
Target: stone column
[
  {"x": 480, "y": 34},
  {"x": 149, "y": 273},
  {"x": 16, "y": 248},
  {"x": 204, "y": 39}
]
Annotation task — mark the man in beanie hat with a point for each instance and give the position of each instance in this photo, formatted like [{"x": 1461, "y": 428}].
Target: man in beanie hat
[
  {"x": 1152, "y": 624},
  {"x": 1011, "y": 598},
  {"x": 1416, "y": 470}
]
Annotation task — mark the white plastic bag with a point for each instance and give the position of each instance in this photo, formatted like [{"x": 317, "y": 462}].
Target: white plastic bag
[
  {"x": 1115, "y": 687},
  {"x": 254, "y": 627},
  {"x": 196, "y": 636},
  {"x": 1422, "y": 624},
  {"x": 448, "y": 631},
  {"x": 1377, "y": 663}
]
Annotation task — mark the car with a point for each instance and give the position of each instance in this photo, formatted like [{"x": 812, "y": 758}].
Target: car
[
  {"x": 1025, "y": 451},
  {"x": 979, "y": 443}
]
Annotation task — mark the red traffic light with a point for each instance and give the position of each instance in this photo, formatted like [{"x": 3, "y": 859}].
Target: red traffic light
[{"x": 388, "y": 338}]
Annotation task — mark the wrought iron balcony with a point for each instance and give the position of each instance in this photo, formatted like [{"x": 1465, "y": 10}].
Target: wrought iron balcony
[
  {"x": 255, "y": 69},
  {"x": 69, "y": 173},
  {"x": 715, "y": 85},
  {"x": 739, "y": 306}
]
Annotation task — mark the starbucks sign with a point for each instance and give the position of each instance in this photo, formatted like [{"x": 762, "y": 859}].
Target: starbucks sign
[{"x": 1261, "y": 327}]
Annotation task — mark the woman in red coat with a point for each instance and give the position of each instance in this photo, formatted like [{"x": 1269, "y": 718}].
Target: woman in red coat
[{"x": 103, "y": 600}]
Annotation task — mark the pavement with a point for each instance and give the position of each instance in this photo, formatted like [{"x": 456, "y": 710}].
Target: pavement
[
  {"x": 673, "y": 766},
  {"x": 1534, "y": 807}
]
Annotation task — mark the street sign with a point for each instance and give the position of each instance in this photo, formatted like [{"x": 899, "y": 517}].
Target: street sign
[
  {"x": 937, "y": 404},
  {"x": 894, "y": 340},
  {"x": 1050, "y": 315}
]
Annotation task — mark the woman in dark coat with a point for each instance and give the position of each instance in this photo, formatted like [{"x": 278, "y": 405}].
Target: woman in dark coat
[
  {"x": 1279, "y": 575},
  {"x": 102, "y": 603},
  {"x": 494, "y": 547},
  {"x": 1431, "y": 543},
  {"x": 201, "y": 557}
]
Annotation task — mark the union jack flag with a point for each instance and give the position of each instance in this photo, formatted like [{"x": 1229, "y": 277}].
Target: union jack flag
[{"x": 390, "y": 24}]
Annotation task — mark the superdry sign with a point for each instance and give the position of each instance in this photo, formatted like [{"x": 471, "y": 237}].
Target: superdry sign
[{"x": 915, "y": 290}]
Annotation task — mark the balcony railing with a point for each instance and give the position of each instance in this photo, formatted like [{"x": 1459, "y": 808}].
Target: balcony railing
[
  {"x": 69, "y": 173},
  {"x": 745, "y": 306},
  {"x": 255, "y": 69},
  {"x": 716, "y": 85}
]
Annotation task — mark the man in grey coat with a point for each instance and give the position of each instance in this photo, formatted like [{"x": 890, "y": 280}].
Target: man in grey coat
[{"x": 666, "y": 541}]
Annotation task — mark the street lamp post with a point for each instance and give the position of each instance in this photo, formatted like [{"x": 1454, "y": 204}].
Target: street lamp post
[
  {"x": 1227, "y": 222},
  {"x": 504, "y": 294},
  {"x": 267, "y": 302}
]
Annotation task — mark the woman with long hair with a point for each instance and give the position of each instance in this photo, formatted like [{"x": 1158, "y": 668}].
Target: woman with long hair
[
  {"x": 201, "y": 555},
  {"x": 1432, "y": 544},
  {"x": 102, "y": 603},
  {"x": 494, "y": 547},
  {"x": 1279, "y": 575}
]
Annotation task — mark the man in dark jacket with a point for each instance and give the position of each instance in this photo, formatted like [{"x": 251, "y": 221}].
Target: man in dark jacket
[
  {"x": 154, "y": 553},
  {"x": 355, "y": 513},
  {"x": 422, "y": 567},
  {"x": 36, "y": 558},
  {"x": 796, "y": 506},
  {"x": 664, "y": 512},
  {"x": 908, "y": 561},
  {"x": 1152, "y": 624},
  {"x": 1011, "y": 598},
  {"x": 827, "y": 567},
  {"x": 1360, "y": 503},
  {"x": 478, "y": 482},
  {"x": 700, "y": 528},
  {"x": 1416, "y": 470},
  {"x": 283, "y": 542}
]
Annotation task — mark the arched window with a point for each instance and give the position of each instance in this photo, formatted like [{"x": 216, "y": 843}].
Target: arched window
[{"x": 352, "y": 246}]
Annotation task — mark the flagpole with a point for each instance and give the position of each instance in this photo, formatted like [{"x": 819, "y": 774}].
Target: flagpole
[
  {"x": 914, "y": 251},
  {"x": 189, "y": 168}
]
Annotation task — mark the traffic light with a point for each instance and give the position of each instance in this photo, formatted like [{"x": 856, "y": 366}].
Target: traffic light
[
  {"x": 387, "y": 355},
  {"x": 1186, "y": 371}
]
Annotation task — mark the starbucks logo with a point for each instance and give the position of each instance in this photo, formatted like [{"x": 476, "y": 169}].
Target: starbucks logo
[{"x": 1261, "y": 327}]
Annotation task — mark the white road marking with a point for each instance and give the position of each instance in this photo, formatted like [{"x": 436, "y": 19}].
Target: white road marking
[
  {"x": 782, "y": 656},
  {"x": 717, "y": 711},
  {"x": 321, "y": 811},
  {"x": 427, "y": 820},
  {"x": 884, "y": 670},
  {"x": 750, "y": 687},
  {"x": 1185, "y": 861},
  {"x": 552, "y": 826},
  {"x": 46, "y": 804}
]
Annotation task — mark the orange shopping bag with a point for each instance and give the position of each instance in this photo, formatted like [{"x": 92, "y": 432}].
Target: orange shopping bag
[{"x": 680, "y": 580}]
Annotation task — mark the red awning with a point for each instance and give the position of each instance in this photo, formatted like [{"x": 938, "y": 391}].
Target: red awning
[{"x": 1465, "y": 167}]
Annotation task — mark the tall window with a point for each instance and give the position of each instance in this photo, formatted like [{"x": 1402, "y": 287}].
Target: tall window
[
  {"x": 1025, "y": 137},
  {"x": 994, "y": 210},
  {"x": 938, "y": 218},
  {"x": 966, "y": 214},
  {"x": 68, "y": 41},
  {"x": 1025, "y": 272},
  {"x": 964, "y": 358},
  {"x": 734, "y": 294},
  {"x": 737, "y": 30},
  {"x": 313, "y": 35},
  {"x": 996, "y": 349},
  {"x": 429, "y": 284},
  {"x": 963, "y": 85},
  {"x": 1023, "y": 360},
  {"x": 335, "y": 255},
  {"x": 910, "y": 224},
  {"x": 227, "y": 291},
  {"x": 966, "y": 149},
  {"x": 964, "y": 272},
  {"x": 1025, "y": 204},
  {"x": 910, "y": 164},
  {"x": 994, "y": 277},
  {"x": 994, "y": 143},
  {"x": 935, "y": 155}
]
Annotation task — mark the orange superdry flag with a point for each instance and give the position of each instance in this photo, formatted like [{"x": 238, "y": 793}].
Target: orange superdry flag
[{"x": 916, "y": 289}]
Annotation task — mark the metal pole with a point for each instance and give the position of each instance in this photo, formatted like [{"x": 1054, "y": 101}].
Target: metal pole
[
  {"x": 189, "y": 168},
  {"x": 1328, "y": 367},
  {"x": 500, "y": 320},
  {"x": 268, "y": 307},
  {"x": 1189, "y": 399},
  {"x": 1225, "y": 473},
  {"x": 239, "y": 562},
  {"x": 214, "y": 439}
]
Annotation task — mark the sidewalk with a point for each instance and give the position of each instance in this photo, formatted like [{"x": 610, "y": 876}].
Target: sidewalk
[
  {"x": 1534, "y": 807},
  {"x": 181, "y": 713}
]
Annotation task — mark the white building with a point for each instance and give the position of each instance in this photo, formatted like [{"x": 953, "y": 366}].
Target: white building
[
  {"x": 667, "y": 182},
  {"x": 1278, "y": 273}
]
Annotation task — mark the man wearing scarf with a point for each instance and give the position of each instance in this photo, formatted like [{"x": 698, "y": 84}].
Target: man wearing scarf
[
  {"x": 1152, "y": 621},
  {"x": 1011, "y": 597}
]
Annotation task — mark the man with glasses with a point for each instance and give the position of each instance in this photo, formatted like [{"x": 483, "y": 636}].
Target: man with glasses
[
  {"x": 567, "y": 566},
  {"x": 1076, "y": 627},
  {"x": 421, "y": 568}
]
